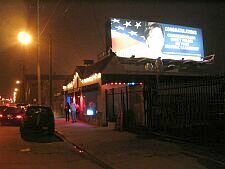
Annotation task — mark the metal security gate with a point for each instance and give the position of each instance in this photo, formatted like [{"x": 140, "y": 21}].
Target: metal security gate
[
  {"x": 191, "y": 109},
  {"x": 125, "y": 106}
]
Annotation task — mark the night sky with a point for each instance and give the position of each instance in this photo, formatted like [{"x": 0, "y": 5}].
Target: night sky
[{"x": 78, "y": 31}]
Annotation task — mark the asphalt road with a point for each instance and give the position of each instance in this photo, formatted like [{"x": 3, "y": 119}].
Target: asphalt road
[{"x": 38, "y": 151}]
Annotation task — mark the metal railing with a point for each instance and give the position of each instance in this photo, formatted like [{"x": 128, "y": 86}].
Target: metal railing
[{"x": 190, "y": 109}]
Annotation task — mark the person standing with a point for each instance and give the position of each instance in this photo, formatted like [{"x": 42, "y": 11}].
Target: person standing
[
  {"x": 78, "y": 115},
  {"x": 73, "y": 111},
  {"x": 66, "y": 109}
]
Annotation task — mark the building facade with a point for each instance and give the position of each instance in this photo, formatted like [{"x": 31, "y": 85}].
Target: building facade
[{"x": 113, "y": 89}]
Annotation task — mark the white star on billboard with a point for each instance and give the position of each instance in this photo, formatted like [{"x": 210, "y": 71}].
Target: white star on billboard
[
  {"x": 132, "y": 33},
  {"x": 115, "y": 20},
  {"x": 127, "y": 24},
  {"x": 120, "y": 27},
  {"x": 137, "y": 25}
]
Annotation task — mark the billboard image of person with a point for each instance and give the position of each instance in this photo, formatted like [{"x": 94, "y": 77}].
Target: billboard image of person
[
  {"x": 154, "y": 36},
  {"x": 153, "y": 40}
]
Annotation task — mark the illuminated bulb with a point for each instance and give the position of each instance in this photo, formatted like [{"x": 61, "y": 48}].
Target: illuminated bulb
[{"x": 24, "y": 38}]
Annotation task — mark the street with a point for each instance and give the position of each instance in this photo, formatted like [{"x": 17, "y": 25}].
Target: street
[
  {"x": 79, "y": 145},
  {"x": 38, "y": 152},
  {"x": 129, "y": 84}
]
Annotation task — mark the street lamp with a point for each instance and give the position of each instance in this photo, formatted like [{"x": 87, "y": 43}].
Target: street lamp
[
  {"x": 19, "y": 88},
  {"x": 24, "y": 38},
  {"x": 17, "y": 82},
  {"x": 14, "y": 96}
]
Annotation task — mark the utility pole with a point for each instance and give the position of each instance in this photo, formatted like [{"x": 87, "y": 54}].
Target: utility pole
[
  {"x": 50, "y": 70},
  {"x": 23, "y": 76},
  {"x": 38, "y": 55}
]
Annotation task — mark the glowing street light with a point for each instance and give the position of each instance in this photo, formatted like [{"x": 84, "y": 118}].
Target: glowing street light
[
  {"x": 24, "y": 38},
  {"x": 16, "y": 89},
  {"x": 17, "y": 82},
  {"x": 14, "y": 96}
]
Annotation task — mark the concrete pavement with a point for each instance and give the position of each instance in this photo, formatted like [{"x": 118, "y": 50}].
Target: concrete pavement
[
  {"x": 123, "y": 150},
  {"x": 38, "y": 151}
]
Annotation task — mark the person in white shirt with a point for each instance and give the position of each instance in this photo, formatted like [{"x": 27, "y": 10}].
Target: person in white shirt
[
  {"x": 154, "y": 36},
  {"x": 73, "y": 111}
]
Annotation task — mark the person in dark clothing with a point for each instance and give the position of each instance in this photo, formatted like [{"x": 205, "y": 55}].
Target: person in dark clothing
[{"x": 66, "y": 109}]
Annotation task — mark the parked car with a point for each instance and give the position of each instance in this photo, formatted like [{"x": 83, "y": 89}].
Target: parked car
[
  {"x": 21, "y": 105},
  {"x": 38, "y": 118},
  {"x": 2, "y": 108},
  {"x": 11, "y": 115}
]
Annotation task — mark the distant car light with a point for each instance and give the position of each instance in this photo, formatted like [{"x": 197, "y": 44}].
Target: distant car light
[
  {"x": 1, "y": 115},
  {"x": 19, "y": 117}
]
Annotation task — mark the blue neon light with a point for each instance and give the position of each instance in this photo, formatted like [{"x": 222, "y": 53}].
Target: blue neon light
[{"x": 90, "y": 112}]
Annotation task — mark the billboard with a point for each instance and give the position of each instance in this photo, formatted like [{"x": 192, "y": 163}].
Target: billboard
[{"x": 152, "y": 40}]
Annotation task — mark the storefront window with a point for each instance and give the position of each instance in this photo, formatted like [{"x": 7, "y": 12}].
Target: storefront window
[{"x": 91, "y": 110}]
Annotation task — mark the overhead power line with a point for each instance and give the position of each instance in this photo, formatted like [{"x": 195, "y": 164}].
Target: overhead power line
[{"x": 51, "y": 16}]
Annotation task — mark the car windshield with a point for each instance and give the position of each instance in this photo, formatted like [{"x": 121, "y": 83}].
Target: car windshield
[
  {"x": 3, "y": 108},
  {"x": 33, "y": 110},
  {"x": 11, "y": 110}
]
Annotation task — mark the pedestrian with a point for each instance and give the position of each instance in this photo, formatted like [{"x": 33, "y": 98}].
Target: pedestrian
[
  {"x": 78, "y": 116},
  {"x": 73, "y": 111},
  {"x": 66, "y": 109}
]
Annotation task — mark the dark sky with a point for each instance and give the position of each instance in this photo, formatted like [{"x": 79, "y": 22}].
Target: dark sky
[{"x": 78, "y": 32}]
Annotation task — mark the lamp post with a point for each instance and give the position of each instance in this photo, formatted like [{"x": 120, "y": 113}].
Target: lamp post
[
  {"x": 38, "y": 53},
  {"x": 24, "y": 38},
  {"x": 50, "y": 70}
]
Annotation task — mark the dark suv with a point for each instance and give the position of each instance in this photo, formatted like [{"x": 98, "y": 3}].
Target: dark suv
[{"x": 38, "y": 118}]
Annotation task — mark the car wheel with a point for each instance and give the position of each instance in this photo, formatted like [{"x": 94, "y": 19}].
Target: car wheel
[
  {"x": 51, "y": 130},
  {"x": 21, "y": 129}
]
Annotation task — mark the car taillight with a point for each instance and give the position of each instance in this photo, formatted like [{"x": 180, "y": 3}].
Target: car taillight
[
  {"x": 1, "y": 115},
  {"x": 19, "y": 117}
]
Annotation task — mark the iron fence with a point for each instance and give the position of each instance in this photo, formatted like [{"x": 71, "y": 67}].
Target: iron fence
[{"x": 192, "y": 109}]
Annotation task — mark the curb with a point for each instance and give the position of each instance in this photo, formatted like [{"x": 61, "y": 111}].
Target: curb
[{"x": 84, "y": 152}]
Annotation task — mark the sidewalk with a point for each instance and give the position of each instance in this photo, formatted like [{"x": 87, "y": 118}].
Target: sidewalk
[{"x": 123, "y": 150}]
